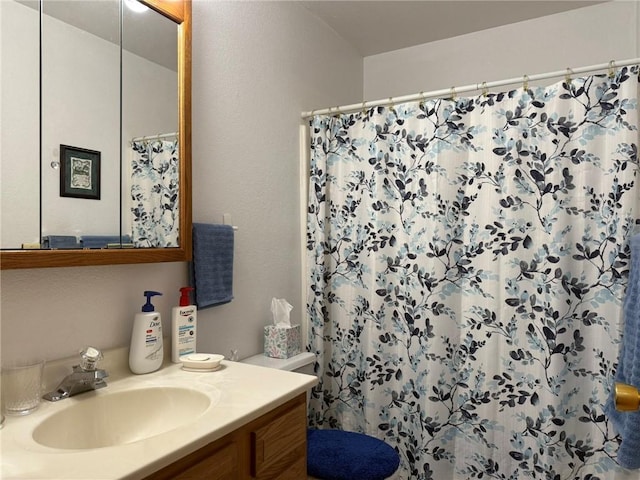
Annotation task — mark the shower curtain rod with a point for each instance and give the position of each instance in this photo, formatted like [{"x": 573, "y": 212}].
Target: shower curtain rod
[
  {"x": 484, "y": 86},
  {"x": 155, "y": 137}
]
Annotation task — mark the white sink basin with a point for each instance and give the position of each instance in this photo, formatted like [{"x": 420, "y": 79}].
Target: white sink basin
[{"x": 120, "y": 418}]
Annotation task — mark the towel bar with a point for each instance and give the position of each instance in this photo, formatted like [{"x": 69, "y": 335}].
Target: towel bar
[{"x": 627, "y": 398}]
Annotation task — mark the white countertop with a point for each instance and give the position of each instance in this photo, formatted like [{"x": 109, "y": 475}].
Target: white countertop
[{"x": 239, "y": 393}]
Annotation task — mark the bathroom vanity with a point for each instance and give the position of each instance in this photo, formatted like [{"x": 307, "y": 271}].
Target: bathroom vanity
[
  {"x": 272, "y": 446},
  {"x": 240, "y": 422}
]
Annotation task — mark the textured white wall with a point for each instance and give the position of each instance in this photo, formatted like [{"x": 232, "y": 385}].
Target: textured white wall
[
  {"x": 257, "y": 65},
  {"x": 576, "y": 38}
]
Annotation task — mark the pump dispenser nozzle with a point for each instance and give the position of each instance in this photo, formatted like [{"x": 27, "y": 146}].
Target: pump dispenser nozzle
[
  {"x": 184, "y": 296},
  {"x": 148, "y": 307}
]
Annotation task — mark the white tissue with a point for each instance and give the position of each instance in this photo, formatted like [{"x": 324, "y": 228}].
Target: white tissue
[{"x": 280, "y": 310}]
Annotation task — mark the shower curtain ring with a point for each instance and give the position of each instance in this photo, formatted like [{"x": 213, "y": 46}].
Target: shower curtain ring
[
  {"x": 392, "y": 105},
  {"x": 525, "y": 82},
  {"x": 612, "y": 66},
  {"x": 485, "y": 89},
  {"x": 568, "y": 75},
  {"x": 453, "y": 93},
  {"x": 421, "y": 104},
  {"x": 364, "y": 108}
]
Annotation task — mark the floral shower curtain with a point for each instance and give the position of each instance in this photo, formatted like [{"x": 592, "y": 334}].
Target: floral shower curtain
[
  {"x": 154, "y": 193},
  {"x": 467, "y": 263}
]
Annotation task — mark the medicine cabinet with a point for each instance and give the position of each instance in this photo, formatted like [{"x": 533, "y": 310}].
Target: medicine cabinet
[{"x": 96, "y": 132}]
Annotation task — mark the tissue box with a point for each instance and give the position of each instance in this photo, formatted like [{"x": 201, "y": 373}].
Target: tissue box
[{"x": 281, "y": 342}]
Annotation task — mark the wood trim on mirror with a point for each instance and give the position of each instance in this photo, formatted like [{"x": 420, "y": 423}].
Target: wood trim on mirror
[
  {"x": 173, "y": 9},
  {"x": 180, "y": 12}
]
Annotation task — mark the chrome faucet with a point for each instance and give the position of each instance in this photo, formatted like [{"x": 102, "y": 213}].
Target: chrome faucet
[{"x": 85, "y": 377}]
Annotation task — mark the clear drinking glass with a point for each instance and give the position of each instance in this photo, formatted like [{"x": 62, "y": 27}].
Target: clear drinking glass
[{"x": 22, "y": 387}]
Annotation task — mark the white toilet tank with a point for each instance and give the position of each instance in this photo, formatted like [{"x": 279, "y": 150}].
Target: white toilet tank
[{"x": 301, "y": 363}]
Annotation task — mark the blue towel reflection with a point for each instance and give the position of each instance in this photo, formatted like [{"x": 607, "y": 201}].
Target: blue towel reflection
[
  {"x": 627, "y": 424},
  {"x": 60, "y": 241},
  {"x": 103, "y": 241}
]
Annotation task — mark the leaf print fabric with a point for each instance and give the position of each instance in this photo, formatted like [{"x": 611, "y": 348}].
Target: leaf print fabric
[
  {"x": 154, "y": 193},
  {"x": 467, "y": 262}
]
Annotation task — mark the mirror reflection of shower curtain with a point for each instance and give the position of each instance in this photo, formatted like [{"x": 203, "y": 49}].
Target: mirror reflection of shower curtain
[{"x": 154, "y": 193}]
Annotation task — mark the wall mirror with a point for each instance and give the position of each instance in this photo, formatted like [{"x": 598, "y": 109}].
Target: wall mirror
[{"x": 96, "y": 141}]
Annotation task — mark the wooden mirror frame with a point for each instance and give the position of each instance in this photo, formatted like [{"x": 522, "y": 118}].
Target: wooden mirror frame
[{"x": 180, "y": 12}]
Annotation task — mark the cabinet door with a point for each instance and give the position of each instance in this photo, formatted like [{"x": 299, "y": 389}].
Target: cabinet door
[
  {"x": 297, "y": 471},
  {"x": 218, "y": 463},
  {"x": 222, "y": 465},
  {"x": 271, "y": 447},
  {"x": 278, "y": 444}
]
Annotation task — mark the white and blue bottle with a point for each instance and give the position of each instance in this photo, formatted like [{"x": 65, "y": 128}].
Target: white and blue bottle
[
  {"x": 146, "y": 352},
  {"x": 183, "y": 327}
]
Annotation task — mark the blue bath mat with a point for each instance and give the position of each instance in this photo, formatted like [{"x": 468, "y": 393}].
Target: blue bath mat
[{"x": 340, "y": 455}]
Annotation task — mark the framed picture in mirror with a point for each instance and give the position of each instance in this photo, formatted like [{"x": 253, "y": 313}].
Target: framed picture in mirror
[{"x": 79, "y": 172}]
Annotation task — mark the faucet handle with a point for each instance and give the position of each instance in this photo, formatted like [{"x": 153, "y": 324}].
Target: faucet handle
[{"x": 89, "y": 358}]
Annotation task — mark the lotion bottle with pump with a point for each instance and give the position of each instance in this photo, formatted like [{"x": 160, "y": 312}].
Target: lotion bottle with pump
[
  {"x": 146, "y": 352},
  {"x": 183, "y": 327}
]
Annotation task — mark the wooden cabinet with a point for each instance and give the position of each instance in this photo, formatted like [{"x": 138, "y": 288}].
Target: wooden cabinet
[{"x": 272, "y": 447}]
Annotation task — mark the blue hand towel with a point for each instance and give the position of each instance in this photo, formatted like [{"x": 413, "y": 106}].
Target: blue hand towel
[
  {"x": 61, "y": 241},
  {"x": 627, "y": 424},
  {"x": 212, "y": 267}
]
